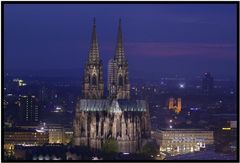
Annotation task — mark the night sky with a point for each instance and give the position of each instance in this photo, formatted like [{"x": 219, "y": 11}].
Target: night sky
[{"x": 159, "y": 39}]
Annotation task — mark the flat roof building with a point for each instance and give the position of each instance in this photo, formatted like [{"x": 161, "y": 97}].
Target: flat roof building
[{"x": 180, "y": 141}]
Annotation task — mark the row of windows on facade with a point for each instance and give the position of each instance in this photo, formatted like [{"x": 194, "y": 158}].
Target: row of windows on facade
[
  {"x": 31, "y": 106},
  {"x": 195, "y": 135},
  {"x": 27, "y": 113},
  {"x": 183, "y": 141},
  {"x": 25, "y": 134}
]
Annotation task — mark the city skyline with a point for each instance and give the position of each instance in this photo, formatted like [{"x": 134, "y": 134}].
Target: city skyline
[
  {"x": 120, "y": 82},
  {"x": 170, "y": 37}
]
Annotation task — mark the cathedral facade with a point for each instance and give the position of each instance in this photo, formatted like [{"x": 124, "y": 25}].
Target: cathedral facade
[{"x": 117, "y": 116}]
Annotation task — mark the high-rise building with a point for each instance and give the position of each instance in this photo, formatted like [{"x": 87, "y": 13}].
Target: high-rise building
[
  {"x": 93, "y": 85},
  {"x": 43, "y": 94},
  {"x": 117, "y": 117},
  {"x": 118, "y": 81},
  {"x": 207, "y": 83},
  {"x": 29, "y": 109},
  {"x": 112, "y": 67}
]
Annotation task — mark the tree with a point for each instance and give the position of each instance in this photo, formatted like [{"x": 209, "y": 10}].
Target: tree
[
  {"x": 150, "y": 148},
  {"x": 110, "y": 146}
]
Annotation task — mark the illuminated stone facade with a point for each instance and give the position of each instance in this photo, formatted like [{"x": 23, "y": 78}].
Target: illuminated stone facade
[
  {"x": 56, "y": 134},
  {"x": 175, "y": 105},
  {"x": 180, "y": 141},
  {"x": 118, "y": 81},
  {"x": 25, "y": 137},
  {"x": 123, "y": 120},
  {"x": 93, "y": 75},
  {"x": 116, "y": 117}
]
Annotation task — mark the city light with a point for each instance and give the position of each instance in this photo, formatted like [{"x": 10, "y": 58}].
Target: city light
[
  {"x": 163, "y": 104},
  {"x": 194, "y": 109},
  {"x": 181, "y": 85},
  {"x": 226, "y": 128},
  {"x": 39, "y": 130},
  {"x": 58, "y": 109}
]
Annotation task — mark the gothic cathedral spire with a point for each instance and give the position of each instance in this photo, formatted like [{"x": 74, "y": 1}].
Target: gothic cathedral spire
[
  {"x": 93, "y": 85},
  {"x": 119, "y": 54},
  {"x": 94, "y": 52},
  {"x": 118, "y": 81}
]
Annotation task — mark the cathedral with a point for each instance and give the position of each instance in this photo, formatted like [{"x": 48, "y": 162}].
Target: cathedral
[{"x": 117, "y": 116}]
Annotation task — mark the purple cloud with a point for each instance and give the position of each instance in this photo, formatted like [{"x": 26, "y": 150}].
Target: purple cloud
[{"x": 210, "y": 50}]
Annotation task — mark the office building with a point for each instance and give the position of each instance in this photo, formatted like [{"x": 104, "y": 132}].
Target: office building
[
  {"x": 180, "y": 141},
  {"x": 207, "y": 84},
  {"x": 29, "y": 109},
  {"x": 25, "y": 137}
]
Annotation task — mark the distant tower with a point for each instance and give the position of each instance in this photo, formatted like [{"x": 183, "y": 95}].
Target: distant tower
[
  {"x": 207, "y": 83},
  {"x": 175, "y": 105},
  {"x": 29, "y": 109},
  {"x": 112, "y": 76},
  {"x": 93, "y": 85},
  {"x": 171, "y": 103},
  {"x": 179, "y": 105},
  {"x": 118, "y": 81}
]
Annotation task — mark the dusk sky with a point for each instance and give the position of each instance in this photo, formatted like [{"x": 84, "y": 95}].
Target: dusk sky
[{"x": 187, "y": 39}]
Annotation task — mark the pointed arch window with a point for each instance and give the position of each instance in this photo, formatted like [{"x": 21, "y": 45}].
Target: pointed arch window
[
  {"x": 94, "y": 80},
  {"x": 125, "y": 79},
  {"x": 120, "y": 80}
]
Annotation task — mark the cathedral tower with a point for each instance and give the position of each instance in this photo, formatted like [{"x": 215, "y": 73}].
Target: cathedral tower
[
  {"x": 98, "y": 119},
  {"x": 118, "y": 81},
  {"x": 93, "y": 85}
]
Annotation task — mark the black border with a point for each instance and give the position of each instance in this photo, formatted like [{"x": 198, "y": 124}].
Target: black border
[{"x": 118, "y": 2}]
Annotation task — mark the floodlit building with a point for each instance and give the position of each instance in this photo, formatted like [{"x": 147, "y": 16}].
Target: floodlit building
[
  {"x": 118, "y": 81},
  {"x": 175, "y": 105},
  {"x": 25, "y": 137},
  {"x": 117, "y": 117},
  {"x": 56, "y": 134},
  {"x": 180, "y": 141}
]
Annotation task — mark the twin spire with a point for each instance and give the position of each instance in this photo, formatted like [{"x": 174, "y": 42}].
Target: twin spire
[
  {"x": 94, "y": 51},
  {"x": 93, "y": 85},
  {"x": 119, "y": 54}
]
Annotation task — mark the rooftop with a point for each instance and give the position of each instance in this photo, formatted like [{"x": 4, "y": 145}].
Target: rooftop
[
  {"x": 112, "y": 106},
  {"x": 182, "y": 129}
]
